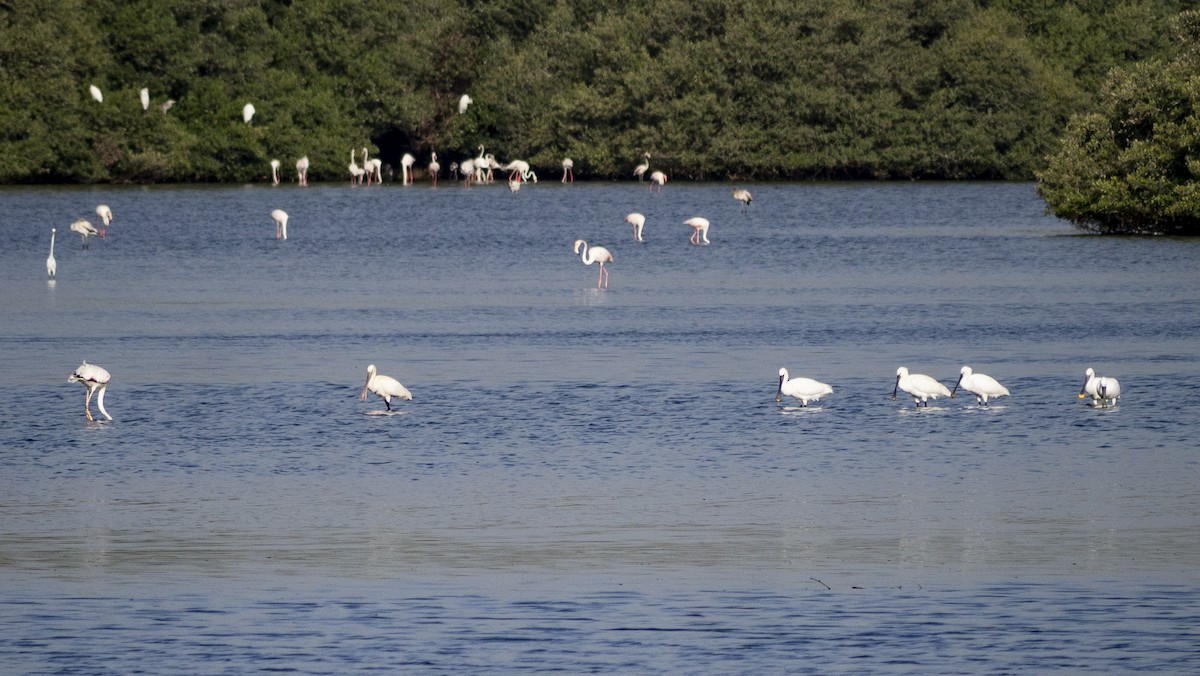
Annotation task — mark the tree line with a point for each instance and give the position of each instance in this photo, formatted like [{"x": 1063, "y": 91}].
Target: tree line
[{"x": 712, "y": 89}]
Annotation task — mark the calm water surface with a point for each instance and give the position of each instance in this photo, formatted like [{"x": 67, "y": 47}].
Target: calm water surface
[{"x": 591, "y": 479}]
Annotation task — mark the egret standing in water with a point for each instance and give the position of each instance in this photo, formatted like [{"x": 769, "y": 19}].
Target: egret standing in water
[
  {"x": 51, "y": 264},
  {"x": 385, "y": 386},
  {"x": 95, "y": 379},
  {"x": 804, "y": 389},
  {"x": 979, "y": 384},
  {"x": 1104, "y": 391},
  {"x": 596, "y": 254},
  {"x": 920, "y": 386}
]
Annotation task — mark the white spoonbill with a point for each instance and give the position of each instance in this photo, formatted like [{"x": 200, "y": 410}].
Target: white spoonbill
[
  {"x": 248, "y": 113},
  {"x": 568, "y": 170},
  {"x": 920, "y": 386},
  {"x": 979, "y": 384},
  {"x": 51, "y": 265},
  {"x": 641, "y": 169},
  {"x": 85, "y": 229},
  {"x": 463, "y": 102},
  {"x": 144, "y": 95},
  {"x": 657, "y": 178},
  {"x": 280, "y": 217},
  {"x": 638, "y": 221},
  {"x": 803, "y": 389},
  {"x": 742, "y": 195},
  {"x": 95, "y": 379},
  {"x": 595, "y": 254},
  {"x": 302, "y": 170},
  {"x": 406, "y": 165},
  {"x": 385, "y": 386},
  {"x": 95, "y": 91},
  {"x": 1104, "y": 391},
  {"x": 274, "y": 172},
  {"x": 699, "y": 229},
  {"x": 106, "y": 217}
]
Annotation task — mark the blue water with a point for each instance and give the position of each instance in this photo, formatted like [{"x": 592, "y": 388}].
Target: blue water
[{"x": 593, "y": 479}]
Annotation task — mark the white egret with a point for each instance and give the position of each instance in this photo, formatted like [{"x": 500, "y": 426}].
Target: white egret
[{"x": 51, "y": 264}]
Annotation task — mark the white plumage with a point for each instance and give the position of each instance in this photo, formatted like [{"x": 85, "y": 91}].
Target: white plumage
[
  {"x": 699, "y": 230},
  {"x": 920, "y": 386},
  {"x": 595, "y": 254},
  {"x": 1103, "y": 390},
  {"x": 95, "y": 379},
  {"x": 979, "y": 384},
  {"x": 385, "y": 386},
  {"x": 804, "y": 389},
  {"x": 281, "y": 218},
  {"x": 638, "y": 221}
]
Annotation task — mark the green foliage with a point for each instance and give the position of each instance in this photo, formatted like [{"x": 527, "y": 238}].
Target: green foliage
[
  {"x": 762, "y": 89},
  {"x": 1134, "y": 165}
]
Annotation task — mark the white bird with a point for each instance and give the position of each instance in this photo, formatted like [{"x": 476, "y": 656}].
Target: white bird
[
  {"x": 742, "y": 195},
  {"x": 568, "y": 170},
  {"x": 106, "y": 217},
  {"x": 281, "y": 218},
  {"x": 641, "y": 169},
  {"x": 51, "y": 264},
  {"x": 248, "y": 113},
  {"x": 434, "y": 168},
  {"x": 167, "y": 105},
  {"x": 595, "y": 254},
  {"x": 144, "y": 95},
  {"x": 638, "y": 221},
  {"x": 95, "y": 379},
  {"x": 920, "y": 386},
  {"x": 85, "y": 229},
  {"x": 406, "y": 165},
  {"x": 467, "y": 169},
  {"x": 803, "y": 389},
  {"x": 699, "y": 230},
  {"x": 373, "y": 169},
  {"x": 356, "y": 172},
  {"x": 463, "y": 103},
  {"x": 96, "y": 93},
  {"x": 274, "y": 172},
  {"x": 514, "y": 185},
  {"x": 385, "y": 386},
  {"x": 979, "y": 384},
  {"x": 302, "y": 170},
  {"x": 519, "y": 169},
  {"x": 1103, "y": 390},
  {"x": 657, "y": 178}
]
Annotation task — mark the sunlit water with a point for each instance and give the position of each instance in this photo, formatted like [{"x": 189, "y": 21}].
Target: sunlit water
[{"x": 593, "y": 479}]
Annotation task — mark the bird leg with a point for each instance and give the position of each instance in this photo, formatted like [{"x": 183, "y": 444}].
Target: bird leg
[
  {"x": 87, "y": 404},
  {"x": 385, "y": 403}
]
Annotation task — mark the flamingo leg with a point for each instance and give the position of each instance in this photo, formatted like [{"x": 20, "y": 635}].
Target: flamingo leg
[{"x": 87, "y": 403}]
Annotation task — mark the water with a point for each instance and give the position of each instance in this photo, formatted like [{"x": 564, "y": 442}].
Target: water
[{"x": 591, "y": 479}]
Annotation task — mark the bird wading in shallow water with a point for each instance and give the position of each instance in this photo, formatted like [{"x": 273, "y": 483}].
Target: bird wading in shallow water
[
  {"x": 1103, "y": 390},
  {"x": 699, "y": 230},
  {"x": 638, "y": 221},
  {"x": 595, "y": 254},
  {"x": 385, "y": 386},
  {"x": 51, "y": 264},
  {"x": 85, "y": 230},
  {"x": 920, "y": 386},
  {"x": 742, "y": 195},
  {"x": 804, "y": 389},
  {"x": 281, "y": 218},
  {"x": 95, "y": 379},
  {"x": 979, "y": 384},
  {"x": 106, "y": 217}
]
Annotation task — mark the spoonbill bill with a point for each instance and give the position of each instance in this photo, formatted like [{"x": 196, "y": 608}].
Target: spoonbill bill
[
  {"x": 804, "y": 389},
  {"x": 385, "y": 386},
  {"x": 638, "y": 221},
  {"x": 699, "y": 229},
  {"x": 85, "y": 229},
  {"x": 920, "y": 386},
  {"x": 979, "y": 384},
  {"x": 281, "y": 218},
  {"x": 1103, "y": 390},
  {"x": 51, "y": 264},
  {"x": 595, "y": 254},
  {"x": 95, "y": 379}
]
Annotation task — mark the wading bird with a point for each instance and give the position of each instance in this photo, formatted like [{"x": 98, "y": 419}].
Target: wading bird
[
  {"x": 657, "y": 178},
  {"x": 95, "y": 379},
  {"x": 979, "y": 384},
  {"x": 51, "y": 265},
  {"x": 1103, "y": 390},
  {"x": 106, "y": 217},
  {"x": 85, "y": 229},
  {"x": 302, "y": 170},
  {"x": 804, "y": 389},
  {"x": 385, "y": 386},
  {"x": 742, "y": 195},
  {"x": 406, "y": 165},
  {"x": 568, "y": 170},
  {"x": 274, "y": 172},
  {"x": 281, "y": 218},
  {"x": 638, "y": 221},
  {"x": 920, "y": 386},
  {"x": 356, "y": 172},
  {"x": 595, "y": 254},
  {"x": 699, "y": 230},
  {"x": 641, "y": 169},
  {"x": 434, "y": 168}
]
